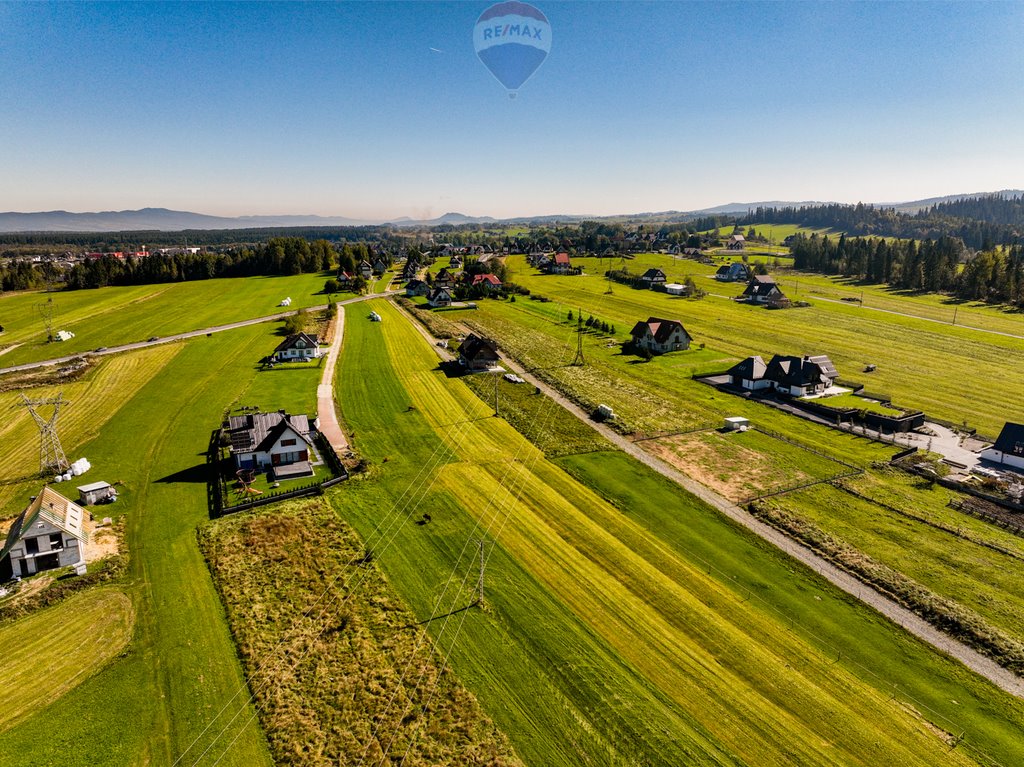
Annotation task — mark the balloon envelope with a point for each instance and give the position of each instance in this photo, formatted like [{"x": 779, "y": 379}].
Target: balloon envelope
[{"x": 512, "y": 39}]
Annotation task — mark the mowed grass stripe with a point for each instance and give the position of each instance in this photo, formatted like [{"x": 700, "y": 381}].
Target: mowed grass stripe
[
  {"x": 183, "y": 666},
  {"x": 93, "y": 402},
  {"x": 540, "y": 671},
  {"x": 696, "y": 640},
  {"x": 594, "y": 569},
  {"x": 118, "y": 315},
  {"x": 949, "y": 372},
  {"x": 50, "y": 652}
]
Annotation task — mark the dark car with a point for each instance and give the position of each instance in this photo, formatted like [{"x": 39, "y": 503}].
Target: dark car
[
  {"x": 102, "y": 349},
  {"x": 153, "y": 338}
]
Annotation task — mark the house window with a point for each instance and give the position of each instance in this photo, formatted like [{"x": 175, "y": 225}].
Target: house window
[
  {"x": 31, "y": 546},
  {"x": 56, "y": 541},
  {"x": 287, "y": 442}
]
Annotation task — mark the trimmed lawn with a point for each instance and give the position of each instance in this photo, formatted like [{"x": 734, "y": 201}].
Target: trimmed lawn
[
  {"x": 921, "y": 364},
  {"x": 601, "y": 639},
  {"x": 121, "y": 315},
  {"x": 50, "y": 652},
  {"x": 181, "y": 677},
  {"x": 850, "y": 400}
]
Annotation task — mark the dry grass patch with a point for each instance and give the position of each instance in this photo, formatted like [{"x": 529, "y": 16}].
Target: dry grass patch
[
  {"x": 94, "y": 399},
  {"x": 741, "y": 465},
  {"x": 331, "y": 686}
]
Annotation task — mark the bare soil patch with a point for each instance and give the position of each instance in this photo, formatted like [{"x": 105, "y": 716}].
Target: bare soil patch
[{"x": 718, "y": 461}]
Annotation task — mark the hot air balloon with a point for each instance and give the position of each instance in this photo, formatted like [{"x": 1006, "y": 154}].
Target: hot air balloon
[{"x": 512, "y": 40}]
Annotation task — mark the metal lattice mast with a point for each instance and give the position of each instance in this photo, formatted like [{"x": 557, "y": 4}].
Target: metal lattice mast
[
  {"x": 51, "y": 455},
  {"x": 46, "y": 311},
  {"x": 578, "y": 359}
]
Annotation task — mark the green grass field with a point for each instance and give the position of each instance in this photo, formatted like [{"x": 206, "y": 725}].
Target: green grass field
[
  {"x": 181, "y": 668},
  {"x": 647, "y": 397},
  {"x": 52, "y": 651},
  {"x": 953, "y": 555},
  {"x": 115, "y": 316},
  {"x": 598, "y": 606},
  {"x": 921, "y": 364},
  {"x": 850, "y": 400}
]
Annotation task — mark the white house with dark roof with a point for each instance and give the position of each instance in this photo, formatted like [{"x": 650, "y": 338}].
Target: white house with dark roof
[
  {"x": 51, "y": 532},
  {"x": 660, "y": 336},
  {"x": 796, "y": 376},
  {"x": 737, "y": 271},
  {"x": 652, "y": 277},
  {"x": 277, "y": 441},
  {"x": 1008, "y": 450},
  {"x": 440, "y": 297},
  {"x": 762, "y": 290},
  {"x": 297, "y": 347}
]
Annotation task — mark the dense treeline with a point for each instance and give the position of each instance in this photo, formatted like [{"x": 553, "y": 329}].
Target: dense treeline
[
  {"x": 932, "y": 265},
  {"x": 104, "y": 241},
  {"x": 279, "y": 256},
  {"x": 25, "y": 276},
  {"x": 980, "y": 222}
]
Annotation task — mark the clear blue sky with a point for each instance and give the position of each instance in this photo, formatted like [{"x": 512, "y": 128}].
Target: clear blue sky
[{"x": 346, "y": 109}]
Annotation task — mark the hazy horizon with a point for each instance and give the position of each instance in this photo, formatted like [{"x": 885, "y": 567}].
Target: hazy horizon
[{"x": 378, "y": 111}]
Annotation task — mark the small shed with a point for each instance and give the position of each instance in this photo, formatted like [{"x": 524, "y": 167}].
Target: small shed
[
  {"x": 675, "y": 289},
  {"x": 95, "y": 492},
  {"x": 736, "y": 423}
]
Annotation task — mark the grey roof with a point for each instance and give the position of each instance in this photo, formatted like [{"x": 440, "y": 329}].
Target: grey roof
[
  {"x": 310, "y": 342},
  {"x": 751, "y": 369},
  {"x": 93, "y": 486},
  {"x": 53, "y": 508},
  {"x": 801, "y": 371},
  {"x": 259, "y": 431},
  {"x": 762, "y": 285},
  {"x": 1011, "y": 439}
]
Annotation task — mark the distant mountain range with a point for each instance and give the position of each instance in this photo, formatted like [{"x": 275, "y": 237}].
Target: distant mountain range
[{"x": 162, "y": 219}]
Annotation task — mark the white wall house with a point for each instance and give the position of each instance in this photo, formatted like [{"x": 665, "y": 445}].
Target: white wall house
[
  {"x": 261, "y": 441},
  {"x": 1008, "y": 450},
  {"x": 659, "y": 336},
  {"x": 49, "y": 533},
  {"x": 298, "y": 347}
]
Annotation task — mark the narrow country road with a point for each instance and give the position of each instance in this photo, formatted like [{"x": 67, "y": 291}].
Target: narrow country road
[
  {"x": 326, "y": 410},
  {"x": 182, "y": 336},
  {"x": 972, "y": 659}
]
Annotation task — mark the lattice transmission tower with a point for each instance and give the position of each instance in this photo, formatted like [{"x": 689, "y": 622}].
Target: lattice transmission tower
[{"x": 51, "y": 455}]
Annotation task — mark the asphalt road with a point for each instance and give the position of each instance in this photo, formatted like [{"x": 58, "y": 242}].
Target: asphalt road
[
  {"x": 182, "y": 336},
  {"x": 972, "y": 659}
]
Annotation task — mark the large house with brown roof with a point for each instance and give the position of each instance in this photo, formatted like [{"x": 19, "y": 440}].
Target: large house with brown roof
[
  {"x": 277, "y": 441},
  {"x": 659, "y": 336},
  {"x": 560, "y": 264},
  {"x": 51, "y": 532}
]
